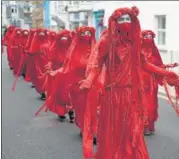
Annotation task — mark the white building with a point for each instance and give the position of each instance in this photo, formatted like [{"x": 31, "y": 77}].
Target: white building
[
  {"x": 16, "y": 13},
  {"x": 159, "y": 16},
  {"x": 80, "y": 13},
  {"x": 5, "y": 21},
  {"x": 59, "y": 15}
]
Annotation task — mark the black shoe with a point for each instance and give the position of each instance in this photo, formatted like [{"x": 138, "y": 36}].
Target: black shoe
[
  {"x": 43, "y": 96},
  {"x": 81, "y": 134},
  {"x": 23, "y": 75},
  {"x": 62, "y": 118},
  {"x": 94, "y": 141},
  {"x": 32, "y": 86},
  {"x": 71, "y": 116}
]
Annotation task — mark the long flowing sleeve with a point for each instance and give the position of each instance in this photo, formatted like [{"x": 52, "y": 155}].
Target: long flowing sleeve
[
  {"x": 150, "y": 68},
  {"x": 96, "y": 60}
]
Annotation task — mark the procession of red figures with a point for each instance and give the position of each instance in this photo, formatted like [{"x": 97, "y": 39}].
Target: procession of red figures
[{"x": 108, "y": 88}]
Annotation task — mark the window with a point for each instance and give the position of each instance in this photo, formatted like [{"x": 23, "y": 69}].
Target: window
[
  {"x": 75, "y": 2},
  {"x": 76, "y": 15},
  {"x": 161, "y": 29},
  {"x": 13, "y": 10}
]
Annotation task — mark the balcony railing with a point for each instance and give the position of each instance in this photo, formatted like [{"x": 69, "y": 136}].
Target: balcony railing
[{"x": 80, "y": 6}]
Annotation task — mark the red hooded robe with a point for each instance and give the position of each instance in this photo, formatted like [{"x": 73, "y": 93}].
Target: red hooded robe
[
  {"x": 58, "y": 52},
  {"x": 27, "y": 56},
  {"x": 16, "y": 50},
  {"x": 7, "y": 42},
  {"x": 74, "y": 69},
  {"x": 37, "y": 60},
  {"x": 121, "y": 109},
  {"x": 122, "y": 115},
  {"x": 151, "y": 81}
]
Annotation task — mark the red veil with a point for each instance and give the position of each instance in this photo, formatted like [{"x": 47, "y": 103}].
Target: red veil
[
  {"x": 74, "y": 51},
  {"x": 155, "y": 55}
]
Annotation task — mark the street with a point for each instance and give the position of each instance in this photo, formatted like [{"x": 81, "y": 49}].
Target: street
[{"x": 25, "y": 136}]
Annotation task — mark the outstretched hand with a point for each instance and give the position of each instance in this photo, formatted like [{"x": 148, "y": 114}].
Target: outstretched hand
[
  {"x": 173, "y": 80},
  {"x": 84, "y": 84},
  {"x": 48, "y": 66},
  {"x": 53, "y": 73}
]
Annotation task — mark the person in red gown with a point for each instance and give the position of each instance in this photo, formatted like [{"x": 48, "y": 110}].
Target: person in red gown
[
  {"x": 37, "y": 61},
  {"x": 7, "y": 42},
  {"x": 25, "y": 36},
  {"x": 57, "y": 55},
  {"x": 16, "y": 47},
  {"x": 27, "y": 56},
  {"x": 43, "y": 59},
  {"x": 122, "y": 114},
  {"x": 73, "y": 70},
  {"x": 151, "y": 81}
]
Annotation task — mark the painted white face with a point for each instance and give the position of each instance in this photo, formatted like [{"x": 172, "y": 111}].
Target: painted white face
[
  {"x": 41, "y": 33},
  {"x": 124, "y": 19},
  {"x": 148, "y": 36},
  {"x": 18, "y": 32},
  {"x": 26, "y": 33},
  {"x": 64, "y": 38},
  {"x": 86, "y": 33}
]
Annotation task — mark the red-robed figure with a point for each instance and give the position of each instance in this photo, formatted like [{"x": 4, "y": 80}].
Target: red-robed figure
[
  {"x": 25, "y": 36},
  {"x": 16, "y": 50},
  {"x": 74, "y": 71},
  {"x": 151, "y": 81},
  {"x": 44, "y": 58},
  {"x": 67, "y": 92},
  {"x": 57, "y": 55},
  {"x": 92, "y": 107},
  {"x": 37, "y": 61},
  {"x": 7, "y": 42},
  {"x": 27, "y": 56},
  {"x": 122, "y": 114}
]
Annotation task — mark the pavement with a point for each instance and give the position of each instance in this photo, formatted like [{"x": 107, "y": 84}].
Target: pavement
[{"x": 25, "y": 136}]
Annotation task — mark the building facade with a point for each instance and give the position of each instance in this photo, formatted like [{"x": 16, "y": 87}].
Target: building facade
[
  {"x": 80, "y": 13},
  {"x": 59, "y": 15},
  {"x": 17, "y": 13},
  {"x": 98, "y": 17}
]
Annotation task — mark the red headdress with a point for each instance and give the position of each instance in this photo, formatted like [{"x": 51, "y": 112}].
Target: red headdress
[
  {"x": 155, "y": 52},
  {"x": 25, "y": 35},
  {"x": 59, "y": 47},
  {"x": 51, "y": 36},
  {"x": 74, "y": 52},
  {"x": 58, "y": 42},
  {"x": 39, "y": 38},
  {"x": 9, "y": 34},
  {"x": 16, "y": 37},
  {"x": 11, "y": 28}
]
